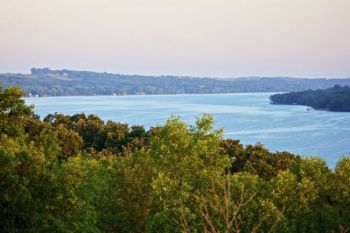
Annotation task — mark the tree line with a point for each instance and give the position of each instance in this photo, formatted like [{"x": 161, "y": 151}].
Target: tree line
[
  {"x": 46, "y": 82},
  {"x": 335, "y": 99},
  {"x": 80, "y": 174}
]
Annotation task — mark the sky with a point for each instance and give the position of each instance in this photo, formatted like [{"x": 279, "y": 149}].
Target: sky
[{"x": 216, "y": 38}]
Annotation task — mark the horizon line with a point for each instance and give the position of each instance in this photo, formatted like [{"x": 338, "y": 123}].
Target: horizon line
[{"x": 173, "y": 75}]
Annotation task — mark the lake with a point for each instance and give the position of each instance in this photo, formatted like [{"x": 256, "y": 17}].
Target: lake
[{"x": 245, "y": 116}]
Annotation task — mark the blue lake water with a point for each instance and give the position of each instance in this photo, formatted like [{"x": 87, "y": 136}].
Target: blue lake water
[{"x": 248, "y": 117}]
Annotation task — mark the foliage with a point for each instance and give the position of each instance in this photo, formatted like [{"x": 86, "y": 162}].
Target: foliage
[
  {"x": 13, "y": 110},
  {"x": 335, "y": 99},
  {"x": 81, "y": 174}
]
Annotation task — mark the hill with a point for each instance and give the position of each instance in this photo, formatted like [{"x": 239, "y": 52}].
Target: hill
[{"x": 46, "y": 82}]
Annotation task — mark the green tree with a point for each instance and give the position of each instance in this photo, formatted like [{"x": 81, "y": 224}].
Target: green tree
[
  {"x": 183, "y": 161},
  {"x": 13, "y": 111}
]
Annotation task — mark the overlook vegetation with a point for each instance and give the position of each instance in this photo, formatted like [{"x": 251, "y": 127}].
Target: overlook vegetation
[
  {"x": 335, "y": 99},
  {"x": 46, "y": 82},
  {"x": 81, "y": 174}
]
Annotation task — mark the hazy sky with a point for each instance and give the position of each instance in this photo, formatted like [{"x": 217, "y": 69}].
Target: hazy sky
[{"x": 221, "y": 38}]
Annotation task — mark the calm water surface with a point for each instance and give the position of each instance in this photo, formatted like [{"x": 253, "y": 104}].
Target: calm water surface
[{"x": 248, "y": 117}]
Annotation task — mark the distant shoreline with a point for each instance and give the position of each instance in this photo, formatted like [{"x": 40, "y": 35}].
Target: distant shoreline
[
  {"x": 46, "y": 82},
  {"x": 135, "y": 95}
]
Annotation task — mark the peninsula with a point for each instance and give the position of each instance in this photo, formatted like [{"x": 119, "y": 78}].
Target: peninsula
[{"x": 336, "y": 99}]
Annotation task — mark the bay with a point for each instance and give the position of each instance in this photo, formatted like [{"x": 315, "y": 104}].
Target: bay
[{"x": 248, "y": 117}]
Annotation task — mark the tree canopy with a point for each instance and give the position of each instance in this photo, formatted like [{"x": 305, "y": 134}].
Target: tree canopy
[
  {"x": 335, "y": 99},
  {"x": 81, "y": 174}
]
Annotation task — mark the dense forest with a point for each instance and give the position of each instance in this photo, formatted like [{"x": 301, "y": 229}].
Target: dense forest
[
  {"x": 80, "y": 174},
  {"x": 46, "y": 82},
  {"x": 335, "y": 99}
]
